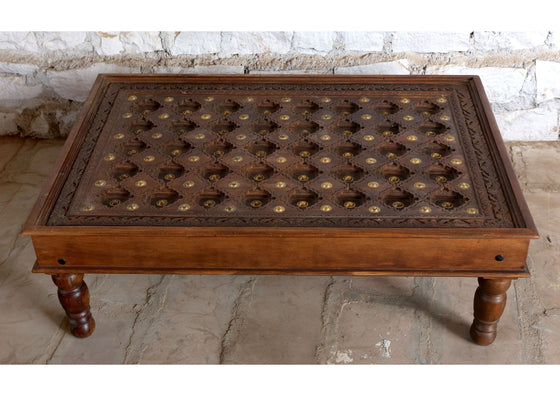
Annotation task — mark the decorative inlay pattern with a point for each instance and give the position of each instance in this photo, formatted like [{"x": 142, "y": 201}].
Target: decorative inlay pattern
[{"x": 329, "y": 155}]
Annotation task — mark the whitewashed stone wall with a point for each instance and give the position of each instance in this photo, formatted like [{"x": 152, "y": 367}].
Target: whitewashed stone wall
[{"x": 45, "y": 76}]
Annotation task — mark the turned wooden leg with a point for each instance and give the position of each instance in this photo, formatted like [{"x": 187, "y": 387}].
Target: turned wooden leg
[
  {"x": 73, "y": 294},
  {"x": 489, "y": 304}
]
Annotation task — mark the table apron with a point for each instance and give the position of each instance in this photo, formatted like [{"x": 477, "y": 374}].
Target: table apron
[{"x": 93, "y": 253}]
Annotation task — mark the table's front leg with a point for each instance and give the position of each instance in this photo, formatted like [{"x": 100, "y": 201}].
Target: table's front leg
[
  {"x": 73, "y": 294},
  {"x": 489, "y": 303}
]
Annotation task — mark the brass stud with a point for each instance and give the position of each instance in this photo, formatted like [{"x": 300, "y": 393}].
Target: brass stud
[
  {"x": 281, "y": 160},
  {"x": 441, "y": 179},
  {"x": 445, "y": 118},
  {"x": 114, "y": 202},
  {"x": 127, "y": 115},
  {"x": 124, "y": 176},
  {"x": 373, "y": 184},
  {"x": 161, "y": 203},
  {"x": 279, "y": 209},
  {"x": 420, "y": 185},
  {"x": 325, "y": 100},
  {"x": 146, "y": 112},
  {"x": 326, "y": 116},
  {"x": 188, "y": 184},
  {"x": 284, "y": 117},
  {"x": 348, "y": 178},
  {"x": 140, "y": 183},
  {"x": 464, "y": 186},
  {"x": 415, "y": 161},
  {"x": 199, "y": 136},
  {"x": 131, "y": 152},
  {"x": 214, "y": 177},
  {"x": 302, "y": 204},
  {"x": 255, "y": 203},
  {"x": 87, "y": 208},
  {"x": 347, "y": 155},
  {"x": 157, "y": 135},
  {"x": 194, "y": 158},
  {"x": 425, "y": 209},
  {"x": 472, "y": 211},
  {"x": 258, "y": 177},
  {"x": 109, "y": 157},
  {"x": 426, "y": 113},
  {"x": 250, "y": 99},
  {"x": 305, "y": 132},
  {"x": 394, "y": 179},
  {"x": 391, "y": 155},
  {"x": 227, "y": 112},
  {"x": 371, "y": 161},
  {"x": 286, "y": 100},
  {"x": 100, "y": 183},
  {"x": 456, "y": 161},
  {"x": 176, "y": 152},
  {"x": 244, "y": 117},
  {"x": 132, "y": 206},
  {"x": 347, "y": 133},
  {"x": 398, "y": 205},
  {"x": 164, "y": 116},
  {"x": 263, "y": 132},
  {"x": 260, "y": 153},
  {"x": 241, "y": 137},
  {"x": 436, "y": 155},
  {"x": 349, "y": 205},
  {"x": 303, "y": 178},
  {"x": 208, "y": 99},
  {"x": 234, "y": 184},
  {"x": 326, "y": 185},
  {"x": 118, "y": 136},
  {"x": 431, "y": 133},
  {"x": 132, "y": 98},
  {"x": 411, "y": 138},
  {"x": 237, "y": 158},
  {"x": 446, "y": 205},
  {"x": 181, "y": 131},
  {"x": 149, "y": 158},
  {"x": 450, "y": 138},
  {"x": 280, "y": 184},
  {"x": 209, "y": 203},
  {"x": 366, "y": 117},
  {"x": 326, "y": 208},
  {"x": 374, "y": 209},
  {"x": 388, "y": 133},
  {"x": 405, "y": 100},
  {"x": 364, "y": 100},
  {"x": 229, "y": 209},
  {"x": 138, "y": 131},
  {"x": 305, "y": 112},
  {"x": 368, "y": 138},
  {"x": 441, "y": 100},
  {"x": 325, "y": 137},
  {"x": 169, "y": 99},
  {"x": 304, "y": 153},
  {"x": 325, "y": 160},
  {"x": 283, "y": 137},
  {"x": 408, "y": 118},
  {"x": 187, "y": 112},
  {"x": 206, "y": 116},
  {"x": 184, "y": 207}
]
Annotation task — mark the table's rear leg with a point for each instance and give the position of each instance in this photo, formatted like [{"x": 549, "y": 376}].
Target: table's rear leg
[
  {"x": 489, "y": 304},
  {"x": 73, "y": 294}
]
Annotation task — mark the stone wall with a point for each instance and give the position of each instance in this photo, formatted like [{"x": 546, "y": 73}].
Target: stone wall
[{"x": 45, "y": 76}]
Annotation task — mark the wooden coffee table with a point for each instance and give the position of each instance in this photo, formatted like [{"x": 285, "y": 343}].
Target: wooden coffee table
[{"x": 307, "y": 175}]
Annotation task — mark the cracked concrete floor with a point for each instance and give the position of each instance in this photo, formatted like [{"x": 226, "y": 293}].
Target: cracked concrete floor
[{"x": 273, "y": 319}]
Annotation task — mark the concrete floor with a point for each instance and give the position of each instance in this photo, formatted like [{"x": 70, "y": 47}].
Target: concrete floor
[{"x": 273, "y": 319}]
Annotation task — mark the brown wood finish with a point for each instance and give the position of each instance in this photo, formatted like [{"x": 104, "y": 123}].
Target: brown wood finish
[
  {"x": 473, "y": 222},
  {"x": 489, "y": 303},
  {"x": 73, "y": 295}
]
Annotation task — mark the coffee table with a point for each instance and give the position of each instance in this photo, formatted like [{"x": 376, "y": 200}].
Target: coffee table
[{"x": 307, "y": 175}]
